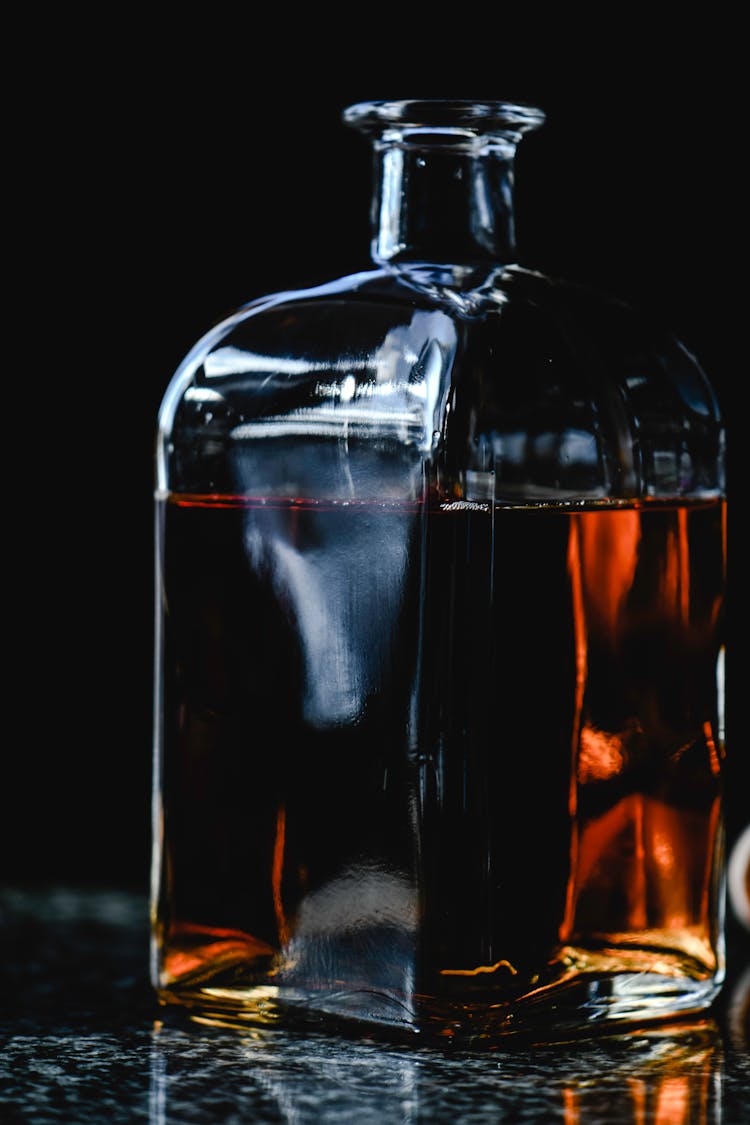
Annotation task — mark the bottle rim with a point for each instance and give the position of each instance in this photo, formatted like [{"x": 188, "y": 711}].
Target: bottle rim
[{"x": 437, "y": 114}]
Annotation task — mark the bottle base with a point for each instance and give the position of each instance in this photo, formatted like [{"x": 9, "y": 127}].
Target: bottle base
[{"x": 582, "y": 1006}]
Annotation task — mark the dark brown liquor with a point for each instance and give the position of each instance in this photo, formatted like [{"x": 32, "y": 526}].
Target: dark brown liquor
[{"x": 414, "y": 755}]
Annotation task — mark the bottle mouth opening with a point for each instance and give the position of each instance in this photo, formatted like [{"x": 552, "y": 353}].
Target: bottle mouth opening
[{"x": 443, "y": 117}]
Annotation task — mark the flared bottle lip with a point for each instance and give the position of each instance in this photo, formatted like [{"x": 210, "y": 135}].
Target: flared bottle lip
[{"x": 462, "y": 115}]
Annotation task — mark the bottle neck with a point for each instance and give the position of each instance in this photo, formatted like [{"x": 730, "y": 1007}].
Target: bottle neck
[{"x": 445, "y": 202}]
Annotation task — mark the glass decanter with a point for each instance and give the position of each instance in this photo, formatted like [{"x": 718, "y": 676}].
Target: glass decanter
[{"x": 439, "y": 635}]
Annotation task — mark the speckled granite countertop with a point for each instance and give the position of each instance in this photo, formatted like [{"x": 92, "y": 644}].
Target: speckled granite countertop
[{"x": 82, "y": 1040}]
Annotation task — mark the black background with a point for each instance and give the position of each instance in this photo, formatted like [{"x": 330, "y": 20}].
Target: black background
[{"x": 163, "y": 176}]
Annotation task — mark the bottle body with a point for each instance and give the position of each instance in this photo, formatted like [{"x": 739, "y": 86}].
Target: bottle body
[{"x": 439, "y": 655}]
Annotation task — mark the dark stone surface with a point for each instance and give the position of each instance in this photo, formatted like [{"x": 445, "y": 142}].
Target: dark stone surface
[{"x": 82, "y": 1040}]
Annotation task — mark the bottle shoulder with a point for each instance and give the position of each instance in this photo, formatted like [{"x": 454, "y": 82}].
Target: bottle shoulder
[
  {"x": 571, "y": 308},
  {"x": 515, "y": 323},
  {"x": 555, "y": 386}
]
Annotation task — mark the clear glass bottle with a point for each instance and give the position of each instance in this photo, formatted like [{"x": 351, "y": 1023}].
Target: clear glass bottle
[{"x": 440, "y": 576}]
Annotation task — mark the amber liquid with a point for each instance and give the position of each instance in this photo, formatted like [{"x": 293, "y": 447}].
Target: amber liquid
[{"x": 440, "y": 754}]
